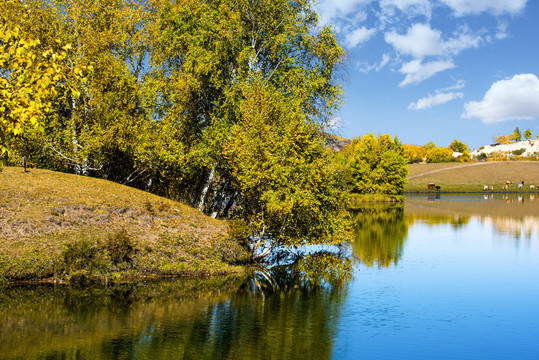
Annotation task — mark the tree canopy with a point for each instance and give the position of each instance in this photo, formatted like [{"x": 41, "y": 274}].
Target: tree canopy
[
  {"x": 517, "y": 135},
  {"x": 459, "y": 146},
  {"x": 377, "y": 165},
  {"x": 33, "y": 72}
]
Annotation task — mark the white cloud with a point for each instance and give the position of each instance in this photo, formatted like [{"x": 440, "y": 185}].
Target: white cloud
[
  {"x": 416, "y": 71},
  {"x": 358, "y": 36},
  {"x": 365, "y": 67},
  {"x": 511, "y": 99},
  {"x": 410, "y": 7},
  {"x": 331, "y": 10},
  {"x": 502, "y": 31},
  {"x": 495, "y": 7},
  {"x": 421, "y": 40},
  {"x": 438, "y": 99},
  {"x": 461, "y": 84}
]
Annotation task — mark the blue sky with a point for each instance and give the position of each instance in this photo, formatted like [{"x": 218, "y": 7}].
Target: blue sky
[{"x": 437, "y": 70}]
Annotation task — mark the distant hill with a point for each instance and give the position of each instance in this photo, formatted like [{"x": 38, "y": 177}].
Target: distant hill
[
  {"x": 334, "y": 142},
  {"x": 473, "y": 176},
  {"x": 531, "y": 147}
]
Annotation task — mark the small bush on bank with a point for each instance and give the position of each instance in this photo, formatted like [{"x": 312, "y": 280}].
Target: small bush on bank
[
  {"x": 120, "y": 247},
  {"x": 83, "y": 260}
]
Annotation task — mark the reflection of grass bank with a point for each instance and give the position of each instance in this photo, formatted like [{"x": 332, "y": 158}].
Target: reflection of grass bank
[
  {"x": 472, "y": 177},
  {"x": 200, "y": 319},
  {"x": 61, "y": 225},
  {"x": 41, "y": 320},
  {"x": 360, "y": 201},
  {"x": 454, "y": 206}
]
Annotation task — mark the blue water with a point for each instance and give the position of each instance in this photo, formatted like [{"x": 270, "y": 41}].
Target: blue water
[
  {"x": 468, "y": 293},
  {"x": 445, "y": 278}
]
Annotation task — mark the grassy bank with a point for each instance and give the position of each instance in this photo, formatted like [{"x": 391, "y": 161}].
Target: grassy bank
[
  {"x": 63, "y": 226},
  {"x": 472, "y": 177}
]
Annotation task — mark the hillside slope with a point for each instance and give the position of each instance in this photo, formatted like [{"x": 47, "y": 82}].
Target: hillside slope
[
  {"x": 473, "y": 176},
  {"x": 57, "y": 225}
]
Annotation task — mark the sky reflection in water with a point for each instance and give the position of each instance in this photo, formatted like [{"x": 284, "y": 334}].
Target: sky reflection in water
[{"x": 465, "y": 287}]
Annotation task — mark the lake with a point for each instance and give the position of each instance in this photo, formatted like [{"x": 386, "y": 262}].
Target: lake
[{"x": 445, "y": 277}]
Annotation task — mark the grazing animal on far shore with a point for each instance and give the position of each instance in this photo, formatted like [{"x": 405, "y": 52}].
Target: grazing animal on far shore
[
  {"x": 520, "y": 186},
  {"x": 505, "y": 187},
  {"x": 508, "y": 182},
  {"x": 532, "y": 187},
  {"x": 431, "y": 186},
  {"x": 485, "y": 187},
  {"x": 491, "y": 188},
  {"x": 437, "y": 187}
]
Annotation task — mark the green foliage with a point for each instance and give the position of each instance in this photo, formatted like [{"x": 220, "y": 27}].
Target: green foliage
[
  {"x": 438, "y": 155},
  {"x": 378, "y": 165},
  {"x": 527, "y": 134},
  {"x": 458, "y": 146},
  {"x": 413, "y": 153},
  {"x": 516, "y": 136},
  {"x": 33, "y": 73},
  {"x": 324, "y": 268},
  {"x": 283, "y": 170},
  {"x": 84, "y": 260},
  {"x": 205, "y": 58},
  {"x": 429, "y": 146},
  {"x": 465, "y": 157},
  {"x": 239, "y": 91},
  {"x": 95, "y": 124},
  {"x": 120, "y": 247},
  {"x": 379, "y": 234},
  {"x": 518, "y": 152},
  {"x": 216, "y": 103},
  {"x": 482, "y": 156}
]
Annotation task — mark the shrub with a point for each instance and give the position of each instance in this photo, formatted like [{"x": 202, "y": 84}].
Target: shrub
[
  {"x": 83, "y": 259},
  {"x": 519, "y": 152},
  {"x": 120, "y": 247},
  {"x": 482, "y": 157}
]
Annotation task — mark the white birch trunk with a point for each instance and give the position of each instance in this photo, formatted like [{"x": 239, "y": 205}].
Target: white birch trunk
[{"x": 206, "y": 188}]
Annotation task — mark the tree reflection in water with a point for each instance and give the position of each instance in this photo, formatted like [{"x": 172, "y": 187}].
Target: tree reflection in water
[
  {"x": 286, "y": 312},
  {"x": 378, "y": 234}
]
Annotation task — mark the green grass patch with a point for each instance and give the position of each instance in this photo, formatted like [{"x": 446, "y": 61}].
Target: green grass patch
[{"x": 55, "y": 225}]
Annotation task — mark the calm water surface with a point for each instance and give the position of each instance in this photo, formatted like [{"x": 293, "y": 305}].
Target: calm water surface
[{"x": 448, "y": 277}]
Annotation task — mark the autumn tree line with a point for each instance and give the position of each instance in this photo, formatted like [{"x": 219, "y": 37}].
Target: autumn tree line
[
  {"x": 459, "y": 151},
  {"x": 517, "y": 135},
  {"x": 217, "y": 104},
  {"x": 430, "y": 153}
]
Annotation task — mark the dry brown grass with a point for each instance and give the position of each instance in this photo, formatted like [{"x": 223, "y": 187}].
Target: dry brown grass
[
  {"x": 416, "y": 169},
  {"x": 41, "y": 211},
  {"x": 467, "y": 177}
]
